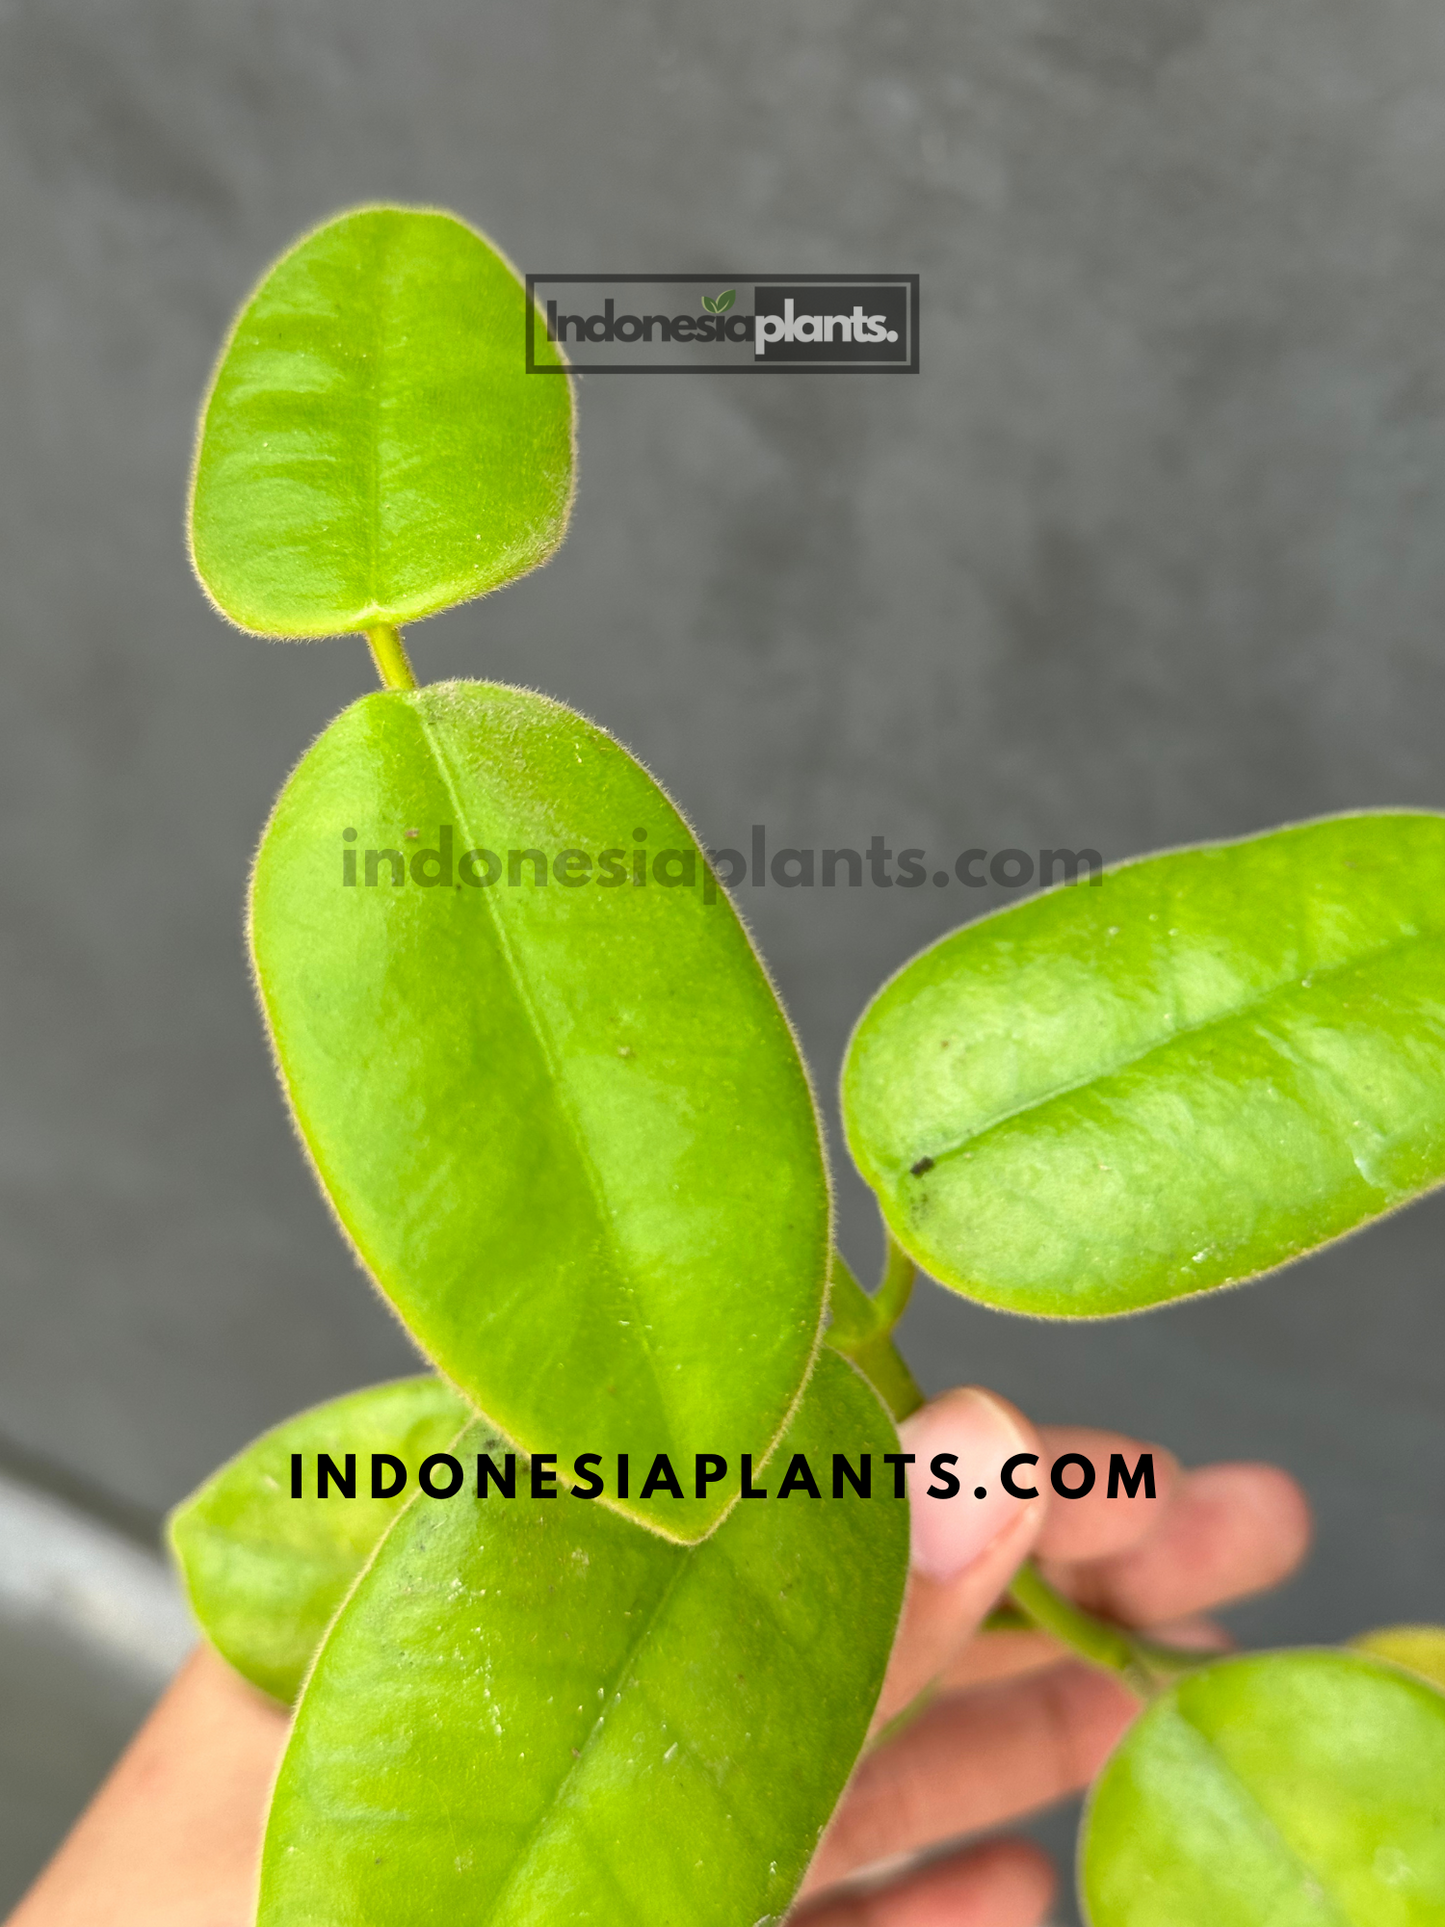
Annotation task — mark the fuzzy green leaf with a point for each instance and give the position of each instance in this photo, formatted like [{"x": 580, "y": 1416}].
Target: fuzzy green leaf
[
  {"x": 725, "y": 300},
  {"x": 1284, "y": 1790},
  {"x": 1204, "y": 1067},
  {"x": 372, "y": 448},
  {"x": 1419, "y": 1648},
  {"x": 265, "y": 1572},
  {"x": 564, "y": 1121},
  {"x": 533, "y": 1712}
]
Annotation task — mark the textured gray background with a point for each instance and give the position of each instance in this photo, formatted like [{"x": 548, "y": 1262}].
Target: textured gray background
[{"x": 1149, "y": 552}]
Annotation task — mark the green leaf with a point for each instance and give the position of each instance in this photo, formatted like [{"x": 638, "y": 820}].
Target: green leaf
[
  {"x": 372, "y": 448},
  {"x": 1204, "y": 1067},
  {"x": 265, "y": 1572},
  {"x": 1419, "y": 1648},
  {"x": 725, "y": 300},
  {"x": 1284, "y": 1790},
  {"x": 534, "y": 1712},
  {"x": 709, "y": 304},
  {"x": 564, "y": 1122}
]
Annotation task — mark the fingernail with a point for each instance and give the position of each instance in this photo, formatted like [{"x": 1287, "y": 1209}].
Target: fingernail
[{"x": 981, "y": 1435}]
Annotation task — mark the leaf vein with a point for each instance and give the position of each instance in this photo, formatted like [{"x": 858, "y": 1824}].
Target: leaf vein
[{"x": 1237, "y": 1014}]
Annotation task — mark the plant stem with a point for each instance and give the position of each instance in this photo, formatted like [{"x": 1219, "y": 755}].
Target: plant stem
[
  {"x": 905, "y": 1716},
  {"x": 890, "y": 1301},
  {"x": 884, "y": 1363},
  {"x": 1092, "y": 1639},
  {"x": 1144, "y": 1666},
  {"x": 389, "y": 653}
]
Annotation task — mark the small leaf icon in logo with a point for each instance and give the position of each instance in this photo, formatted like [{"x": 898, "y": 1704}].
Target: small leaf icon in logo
[
  {"x": 720, "y": 303},
  {"x": 709, "y": 304}
]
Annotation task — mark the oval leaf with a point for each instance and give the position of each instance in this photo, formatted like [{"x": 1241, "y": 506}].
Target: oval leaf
[
  {"x": 265, "y": 1572},
  {"x": 535, "y": 1713},
  {"x": 1421, "y": 1649},
  {"x": 1283, "y": 1790},
  {"x": 1207, "y": 1065},
  {"x": 561, "y": 1114},
  {"x": 373, "y": 448}
]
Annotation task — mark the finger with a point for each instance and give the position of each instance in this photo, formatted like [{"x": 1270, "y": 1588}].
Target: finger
[
  {"x": 1232, "y": 1530},
  {"x": 1229, "y": 1530},
  {"x": 1001, "y": 1655},
  {"x": 964, "y": 1549},
  {"x": 974, "y": 1760},
  {"x": 1006, "y": 1883},
  {"x": 171, "y": 1838},
  {"x": 1093, "y": 1525}
]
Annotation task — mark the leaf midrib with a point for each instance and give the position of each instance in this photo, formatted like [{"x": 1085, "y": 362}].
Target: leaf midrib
[
  {"x": 1325, "y": 973},
  {"x": 544, "y": 1044},
  {"x": 372, "y": 437},
  {"x": 523, "y": 1853},
  {"x": 1336, "y": 1914}
]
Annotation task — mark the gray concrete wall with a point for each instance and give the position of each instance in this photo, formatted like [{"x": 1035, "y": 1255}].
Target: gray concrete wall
[{"x": 1150, "y": 551}]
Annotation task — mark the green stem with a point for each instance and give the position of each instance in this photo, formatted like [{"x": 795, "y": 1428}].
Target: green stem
[
  {"x": 1145, "y": 1667},
  {"x": 905, "y": 1716},
  {"x": 890, "y": 1301},
  {"x": 389, "y": 652},
  {"x": 1092, "y": 1639},
  {"x": 882, "y": 1364}
]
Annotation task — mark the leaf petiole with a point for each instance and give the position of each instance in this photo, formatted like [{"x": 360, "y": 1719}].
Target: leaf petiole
[
  {"x": 388, "y": 651},
  {"x": 862, "y": 1328}
]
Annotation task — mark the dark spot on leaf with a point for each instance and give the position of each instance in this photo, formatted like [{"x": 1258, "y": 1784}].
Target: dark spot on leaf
[{"x": 923, "y": 1164}]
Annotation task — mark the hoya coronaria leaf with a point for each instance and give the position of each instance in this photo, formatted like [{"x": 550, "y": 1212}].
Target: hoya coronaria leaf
[
  {"x": 265, "y": 1572},
  {"x": 531, "y": 1712},
  {"x": 1420, "y": 1648},
  {"x": 373, "y": 448},
  {"x": 1298, "y": 1789},
  {"x": 1201, "y": 1067},
  {"x": 545, "y": 1081}
]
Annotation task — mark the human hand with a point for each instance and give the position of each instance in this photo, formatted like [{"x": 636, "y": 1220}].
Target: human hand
[
  {"x": 1016, "y": 1723},
  {"x": 172, "y": 1838}
]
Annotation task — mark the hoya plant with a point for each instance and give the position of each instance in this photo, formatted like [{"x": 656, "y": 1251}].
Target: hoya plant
[{"x": 548, "y": 1661}]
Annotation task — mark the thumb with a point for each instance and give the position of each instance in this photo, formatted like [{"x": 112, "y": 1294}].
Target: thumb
[{"x": 969, "y": 1533}]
